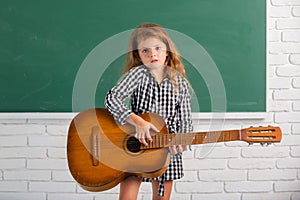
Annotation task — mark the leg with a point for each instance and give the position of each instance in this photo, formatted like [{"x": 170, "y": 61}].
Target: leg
[
  {"x": 167, "y": 191},
  {"x": 129, "y": 188}
]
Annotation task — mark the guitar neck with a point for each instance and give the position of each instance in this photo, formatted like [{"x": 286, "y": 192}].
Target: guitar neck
[{"x": 166, "y": 140}]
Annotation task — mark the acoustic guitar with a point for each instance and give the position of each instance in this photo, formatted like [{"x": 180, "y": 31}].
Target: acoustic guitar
[{"x": 101, "y": 153}]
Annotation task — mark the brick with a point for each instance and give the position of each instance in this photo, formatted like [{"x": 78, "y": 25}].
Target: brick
[
  {"x": 271, "y": 71},
  {"x": 224, "y": 196},
  {"x": 279, "y": 106},
  {"x": 286, "y": 117},
  {"x": 295, "y": 59},
  {"x": 62, "y": 175},
  {"x": 287, "y": 186},
  {"x": 22, "y": 195},
  {"x": 13, "y": 186},
  {"x": 286, "y": 47},
  {"x": 205, "y": 164},
  {"x": 174, "y": 196},
  {"x": 288, "y": 23},
  {"x": 57, "y": 152},
  {"x": 295, "y": 196},
  {"x": 271, "y": 23},
  {"x": 285, "y": 2},
  {"x": 290, "y": 140},
  {"x": 47, "y": 141},
  {"x": 279, "y": 83},
  {"x": 249, "y": 186},
  {"x": 198, "y": 187},
  {"x": 222, "y": 175},
  {"x": 296, "y": 106},
  {"x": 52, "y": 187},
  {"x": 190, "y": 176},
  {"x": 291, "y": 94},
  {"x": 22, "y": 152},
  {"x": 265, "y": 196},
  {"x": 272, "y": 175},
  {"x": 217, "y": 152},
  {"x": 295, "y": 151},
  {"x": 279, "y": 12},
  {"x": 21, "y": 129},
  {"x": 12, "y": 163},
  {"x": 12, "y": 141},
  {"x": 47, "y": 164},
  {"x": 296, "y": 11},
  {"x": 69, "y": 196},
  {"x": 252, "y": 163},
  {"x": 288, "y": 71},
  {"x": 265, "y": 152},
  {"x": 288, "y": 163},
  {"x": 296, "y": 129},
  {"x": 291, "y": 36},
  {"x": 35, "y": 175},
  {"x": 296, "y": 83},
  {"x": 274, "y": 36},
  {"x": 107, "y": 196},
  {"x": 57, "y": 129}
]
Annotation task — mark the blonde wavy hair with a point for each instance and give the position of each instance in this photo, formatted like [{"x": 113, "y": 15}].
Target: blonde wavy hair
[{"x": 173, "y": 60}]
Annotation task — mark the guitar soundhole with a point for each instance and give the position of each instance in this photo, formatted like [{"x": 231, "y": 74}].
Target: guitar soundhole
[{"x": 133, "y": 145}]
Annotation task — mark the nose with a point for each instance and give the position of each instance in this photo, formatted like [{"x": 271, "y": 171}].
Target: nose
[{"x": 152, "y": 52}]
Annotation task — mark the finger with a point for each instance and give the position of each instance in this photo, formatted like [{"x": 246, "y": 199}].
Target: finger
[
  {"x": 154, "y": 128},
  {"x": 143, "y": 141},
  {"x": 148, "y": 136},
  {"x": 172, "y": 150},
  {"x": 140, "y": 138},
  {"x": 179, "y": 149}
]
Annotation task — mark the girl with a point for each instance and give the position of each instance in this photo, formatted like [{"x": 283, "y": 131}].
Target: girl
[{"x": 155, "y": 82}]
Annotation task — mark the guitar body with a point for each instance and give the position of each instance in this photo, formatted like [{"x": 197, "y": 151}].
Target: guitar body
[{"x": 102, "y": 153}]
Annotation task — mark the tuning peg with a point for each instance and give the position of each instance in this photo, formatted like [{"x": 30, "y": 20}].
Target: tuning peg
[
  {"x": 264, "y": 144},
  {"x": 269, "y": 143}
]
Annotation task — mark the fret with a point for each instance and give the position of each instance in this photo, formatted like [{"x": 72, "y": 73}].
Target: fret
[
  {"x": 150, "y": 144},
  {"x": 223, "y": 136},
  {"x": 180, "y": 138},
  {"x": 202, "y": 138}
]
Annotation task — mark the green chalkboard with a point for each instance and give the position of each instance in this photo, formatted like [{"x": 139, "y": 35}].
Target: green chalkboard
[{"x": 45, "y": 44}]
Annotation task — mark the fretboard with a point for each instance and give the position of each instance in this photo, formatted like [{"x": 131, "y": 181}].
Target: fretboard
[{"x": 166, "y": 140}]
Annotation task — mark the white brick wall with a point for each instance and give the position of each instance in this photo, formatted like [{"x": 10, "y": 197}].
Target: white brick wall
[{"x": 33, "y": 149}]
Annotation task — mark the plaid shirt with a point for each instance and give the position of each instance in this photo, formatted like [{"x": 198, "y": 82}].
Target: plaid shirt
[{"x": 146, "y": 95}]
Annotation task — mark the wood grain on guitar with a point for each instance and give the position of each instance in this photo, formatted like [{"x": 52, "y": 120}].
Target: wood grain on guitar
[{"x": 102, "y": 153}]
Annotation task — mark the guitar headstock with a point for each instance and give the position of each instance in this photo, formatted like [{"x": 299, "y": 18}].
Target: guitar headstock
[{"x": 262, "y": 135}]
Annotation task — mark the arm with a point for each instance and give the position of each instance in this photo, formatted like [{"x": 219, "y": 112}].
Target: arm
[{"x": 114, "y": 102}]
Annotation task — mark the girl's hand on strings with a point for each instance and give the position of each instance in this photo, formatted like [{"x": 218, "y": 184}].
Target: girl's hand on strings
[
  {"x": 177, "y": 149},
  {"x": 142, "y": 127}
]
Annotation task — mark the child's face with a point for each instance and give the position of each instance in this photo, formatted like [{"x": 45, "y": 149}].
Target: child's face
[{"x": 152, "y": 52}]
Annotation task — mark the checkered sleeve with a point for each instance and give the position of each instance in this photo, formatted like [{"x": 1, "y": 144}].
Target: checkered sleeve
[{"x": 116, "y": 97}]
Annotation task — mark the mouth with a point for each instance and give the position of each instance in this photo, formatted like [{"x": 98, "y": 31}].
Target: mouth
[{"x": 154, "y": 61}]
